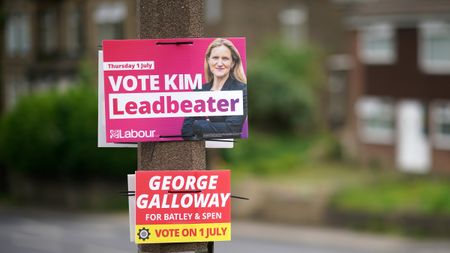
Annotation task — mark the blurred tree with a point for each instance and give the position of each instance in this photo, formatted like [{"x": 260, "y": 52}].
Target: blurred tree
[
  {"x": 285, "y": 85},
  {"x": 54, "y": 134}
]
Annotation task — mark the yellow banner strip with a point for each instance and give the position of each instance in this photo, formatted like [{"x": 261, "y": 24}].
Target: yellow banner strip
[{"x": 167, "y": 233}]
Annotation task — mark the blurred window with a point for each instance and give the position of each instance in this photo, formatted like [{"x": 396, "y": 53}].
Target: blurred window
[
  {"x": 377, "y": 44},
  {"x": 110, "y": 18},
  {"x": 213, "y": 11},
  {"x": 18, "y": 35},
  {"x": 73, "y": 32},
  {"x": 293, "y": 25},
  {"x": 49, "y": 31},
  {"x": 435, "y": 47},
  {"x": 440, "y": 116},
  {"x": 375, "y": 120}
]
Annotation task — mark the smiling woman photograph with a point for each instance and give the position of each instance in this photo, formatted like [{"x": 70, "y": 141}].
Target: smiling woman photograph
[{"x": 223, "y": 71}]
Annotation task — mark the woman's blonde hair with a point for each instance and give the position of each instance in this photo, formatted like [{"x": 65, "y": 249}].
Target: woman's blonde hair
[{"x": 237, "y": 70}]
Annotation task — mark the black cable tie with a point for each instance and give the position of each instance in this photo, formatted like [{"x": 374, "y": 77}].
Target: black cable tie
[
  {"x": 220, "y": 140},
  {"x": 195, "y": 139},
  {"x": 127, "y": 191},
  {"x": 164, "y": 43},
  {"x": 239, "y": 197},
  {"x": 176, "y": 136},
  {"x": 133, "y": 193},
  {"x": 175, "y": 43},
  {"x": 193, "y": 191},
  {"x": 127, "y": 194}
]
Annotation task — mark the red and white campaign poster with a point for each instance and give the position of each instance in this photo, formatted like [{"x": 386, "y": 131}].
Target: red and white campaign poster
[
  {"x": 174, "y": 89},
  {"x": 183, "y": 206}
]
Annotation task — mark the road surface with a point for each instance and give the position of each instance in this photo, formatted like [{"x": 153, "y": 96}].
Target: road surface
[{"x": 38, "y": 231}]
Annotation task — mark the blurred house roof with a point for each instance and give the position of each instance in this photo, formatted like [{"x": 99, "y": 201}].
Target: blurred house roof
[
  {"x": 383, "y": 7},
  {"x": 399, "y": 12}
]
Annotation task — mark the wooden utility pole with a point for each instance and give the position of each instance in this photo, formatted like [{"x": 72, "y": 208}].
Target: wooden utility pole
[{"x": 171, "y": 19}]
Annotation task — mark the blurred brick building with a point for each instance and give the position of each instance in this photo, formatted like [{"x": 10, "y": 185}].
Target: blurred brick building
[
  {"x": 44, "y": 41},
  {"x": 294, "y": 21},
  {"x": 399, "y": 86},
  {"x": 388, "y": 79}
]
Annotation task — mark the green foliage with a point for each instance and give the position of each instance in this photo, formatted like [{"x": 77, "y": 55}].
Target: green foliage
[
  {"x": 284, "y": 88},
  {"x": 55, "y": 134},
  {"x": 273, "y": 155},
  {"x": 391, "y": 195}
]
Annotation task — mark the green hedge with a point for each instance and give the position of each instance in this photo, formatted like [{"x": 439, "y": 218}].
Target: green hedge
[
  {"x": 397, "y": 195},
  {"x": 54, "y": 134}
]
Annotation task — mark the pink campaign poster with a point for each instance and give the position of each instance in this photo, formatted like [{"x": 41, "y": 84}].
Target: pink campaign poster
[{"x": 175, "y": 89}]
